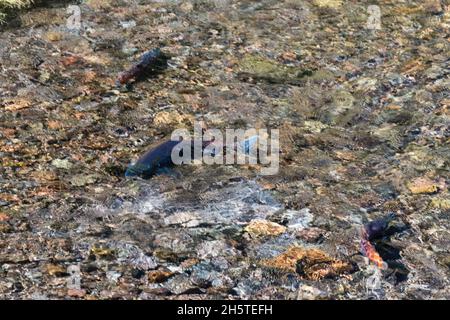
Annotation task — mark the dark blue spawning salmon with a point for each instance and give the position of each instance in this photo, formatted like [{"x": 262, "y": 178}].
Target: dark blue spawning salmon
[
  {"x": 160, "y": 156},
  {"x": 151, "y": 60},
  {"x": 152, "y": 160},
  {"x": 157, "y": 158},
  {"x": 375, "y": 228},
  {"x": 372, "y": 230}
]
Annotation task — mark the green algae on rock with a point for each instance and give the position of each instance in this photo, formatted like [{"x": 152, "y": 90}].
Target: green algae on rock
[{"x": 261, "y": 68}]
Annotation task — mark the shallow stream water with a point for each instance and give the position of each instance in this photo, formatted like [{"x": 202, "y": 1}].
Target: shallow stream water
[{"x": 362, "y": 104}]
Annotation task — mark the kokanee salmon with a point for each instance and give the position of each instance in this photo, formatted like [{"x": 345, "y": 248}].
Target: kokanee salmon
[{"x": 152, "y": 60}]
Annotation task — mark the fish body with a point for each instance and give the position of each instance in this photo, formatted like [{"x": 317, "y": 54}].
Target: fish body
[
  {"x": 376, "y": 228},
  {"x": 158, "y": 158},
  {"x": 373, "y": 230},
  {"x": 150, "y": 60},
  {"x": 371, "y": 253}
]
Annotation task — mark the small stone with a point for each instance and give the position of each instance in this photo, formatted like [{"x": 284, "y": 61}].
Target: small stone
[
  {"x": 43, "y": 176},
  {"x": 433, "y": 6},
  {"x": 186, "y": 7},
  {"x": 203, "y": 275},
  {"x": 100, "y": 4},
  {"x": 434, "y": 72},
  {"x": 298, "y": 219},
  {"x": 306, "y": 292},
  {"x": 328, "y": 3},
  {"x": 365, "y": 84},
  {"x": 128, "y": 24},
  {"x": 288, "y": 259},
  {"x": 76, "y": 293},
  {"x": 216, "y": 248},
  {"x": 186, "y": 219},
  {"x": 343, "y": 99},
  {"x": 55, "y": 125},
  {"x": 113, "y": 276},
  {"x": 82, "y": 180},
  {"x": 312, "y": 264},
  {"x": 158, "y": 276},
  {"x": 259, "y": 227},
  {"x": 53, "y": 36},
  {"x": 3, "y": 217},
  {"x": 445, "y": 260},
  {"x": 129, "y": 51},
  {"x": 89, "y": 76},
  {"x": 179, "y": 284},
  {"x": 259, "y": 67},
  {"x": 70, "y": 60},
  {"x": 345, "y": 155},
  {"x": 289, "y": 56},
  {"x": 55, "y": 270},
  {"x": 310, "y": 234},
  {"x": 170, "y": 118},
  {"x": 44, "y": 76},
  {"x": 423, "y": 97},
  {"x": 102, "y": 252},
  {"x": 17, "y": 104},
  {"x": 242, "y": 290},
  {"x": 189, "y": 263},
  {"x": 62, "y": 164},
  {"x": 5, "y": 228},
  {"x": 441, "y": 203},
  {"x": 422, "y": 185},
  {"x": 314, "y": 126}
]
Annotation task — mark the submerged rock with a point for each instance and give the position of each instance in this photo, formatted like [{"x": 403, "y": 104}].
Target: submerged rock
[
  {"x": 268, "y": 70},
  {"x": 423, "y": 185},
  {"x": 159, "y": 276},
  {"x": 312, "y": 264},
  {"x": 264, "y": 228}
]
